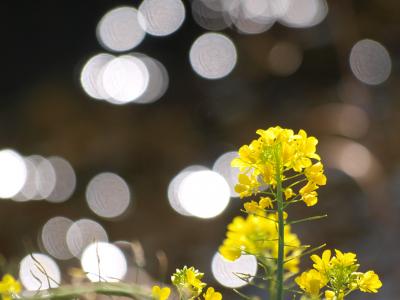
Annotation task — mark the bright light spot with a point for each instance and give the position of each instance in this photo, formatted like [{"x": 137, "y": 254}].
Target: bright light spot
[
  {"x": 65, "y": 180},
  {"x": 305, "y": 13},
  {"x": 251, "y": 25},
  {"x": 39, "y": 273},
  {"x": 158, "y": 80},
  {"x": 91, "y": 75},
  {"x": 174, "y": 186},
  {"x": 355, "y": 160},
  {"x": 13, "y": 173},
  {"x": 223, "y": 167},
  {"x": 82, "y": 233},
  {"x": 284, "y": 59},
  {"x": 265, "y": 9},
  {"x": 213, "y": 55},
  {"x": 45, "y": 177},
  {"x": 229, "y": 273},
  {"x": 119, "y": 29},
  {"x": 207, "y": 17},
  {"x": 204, "y": 194},
  {"x": 125, "y": 79},
  {"x": 104, "y": 262},
  {"x": 29, "y": 190},
  {"x": 370, "y": 62},
  {"x": 161, "y": 17},
  {"x": 108, "y": 195},
  {"x": 54, "y": 234}
]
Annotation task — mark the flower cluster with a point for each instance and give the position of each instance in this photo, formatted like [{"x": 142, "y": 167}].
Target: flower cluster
[
  {"x": 279, "y": 152},
  {"x": 339, "y": 274},
  {"x": 9, "y": 287},
  {"x": 258, "y": 235},
  {"x": 189, "y": 285}
]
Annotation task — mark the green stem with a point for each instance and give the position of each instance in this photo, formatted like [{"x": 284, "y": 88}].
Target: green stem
[
  {"x": 72, "y": 292},
  {"x": 281, "y": 225}
]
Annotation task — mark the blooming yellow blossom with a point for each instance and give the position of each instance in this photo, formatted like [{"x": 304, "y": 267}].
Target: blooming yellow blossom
[
  {"x": 311, "y": 282},
  {"x": 369, "y": 282},
  {"x": 160, "y": 293},
  {"x": 248, "y": 185},
  {"x": 289, "y": 193},
  {"x": 9, "y": 287},
  {"x": 344, "y": 259},
  {"x": 188, "y": 282},
  {"x": 339, "y": 272},
  {"x": 211, "y": 294},
  {"x": 322, "y": 264},
  {"x": 258, "y": 235}
]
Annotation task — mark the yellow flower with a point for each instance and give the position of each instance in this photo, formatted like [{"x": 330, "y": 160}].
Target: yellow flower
[
  {"x": 322, "y": 264},
  {"x": 329, "y": 295},
  {"x": 289, "y": 193},
  {"x": 369, "y": 282},
  {"x": 311, "y": 282},
  {"x": 258, "y": 235},
  {"x": 160, "y": 293},
  {"x": 211, "y": 294},
  {"x": 315, "y": 174},
  {"x": 344, "y": 259},
  {"x": 188, "y": 282},
  {"x": 265, "y": 202},
  {"x": 247, "y": 185},
  {"x": 9, "y": 287},
  {"x": 308, "y": 193}
]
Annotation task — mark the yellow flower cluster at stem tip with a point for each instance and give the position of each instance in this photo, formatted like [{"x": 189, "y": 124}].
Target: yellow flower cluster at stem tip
[
  {"x": 339, "y": 274},
  {"x": 281, "y": 152},
  {"x": 258, "y": 235},
  {"x": 9, "y": 287},
  {"x": 189, "y": 285}
]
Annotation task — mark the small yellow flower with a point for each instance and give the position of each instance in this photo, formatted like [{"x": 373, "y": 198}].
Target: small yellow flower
[
  {"x": 311, "y": 282},
  {"x": 322, "y": 264},
  {"x": 344, "y": 259},
  {"x": 160, "y": 293},
  {"x": 9, "y": 287},
  {"x": 211, "y": 294},
  {"x": 369, "y": 282},
  {"x": 289, "y": 193},
  {"x": 329, "y": 295},
  {"x": 265, "y": 202},
  {"x": 247, "y": 185}
]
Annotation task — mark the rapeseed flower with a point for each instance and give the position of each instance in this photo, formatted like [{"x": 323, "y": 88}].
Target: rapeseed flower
[
  {"x": 160, "y": 293},
  {"x": 9, "y": 287}
]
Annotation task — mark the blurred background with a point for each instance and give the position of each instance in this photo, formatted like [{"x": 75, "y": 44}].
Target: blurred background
[{"x": 119, "y": 120}]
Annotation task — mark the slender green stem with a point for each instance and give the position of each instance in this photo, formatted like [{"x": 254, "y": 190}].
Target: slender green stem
[{"x": 281, "y": 226}]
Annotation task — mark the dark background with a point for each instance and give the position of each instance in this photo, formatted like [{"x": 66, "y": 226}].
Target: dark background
[{"x": 44, "y": 110}]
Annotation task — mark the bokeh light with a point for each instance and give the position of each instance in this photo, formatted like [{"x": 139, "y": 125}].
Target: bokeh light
[
  {"x": 104, "y": 262},
  {"x": 284, "y": 58},
  {"x": 91, "y": 75},
  {"x": 108, "y": 195},
  {"x": 204, "y": 194},
  {"x": 38, "y": 271},
  {"x": 223, "y": 167},
  {"x": 125, "y": 78},
  {"x": 45, "y": 176},
  {"x": 173, "y": 189},
  {"x": 13, "y": 173},
  {"x": 158, "y": 80},
  {"x": 65, "y": 180},
  {"x": 82, "y": 233},
  {"x": 208, "y": 18},
  {"x": 370, "y": 62},
  {"x": 305, "y": 13},
  {"x": 230, "y": 273},
  {"x": 213, "y": 55},
  {"x": 161, "y": 17},
  {"x": 54, "y": 235},
  {"x": 119, "y": 29}
]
